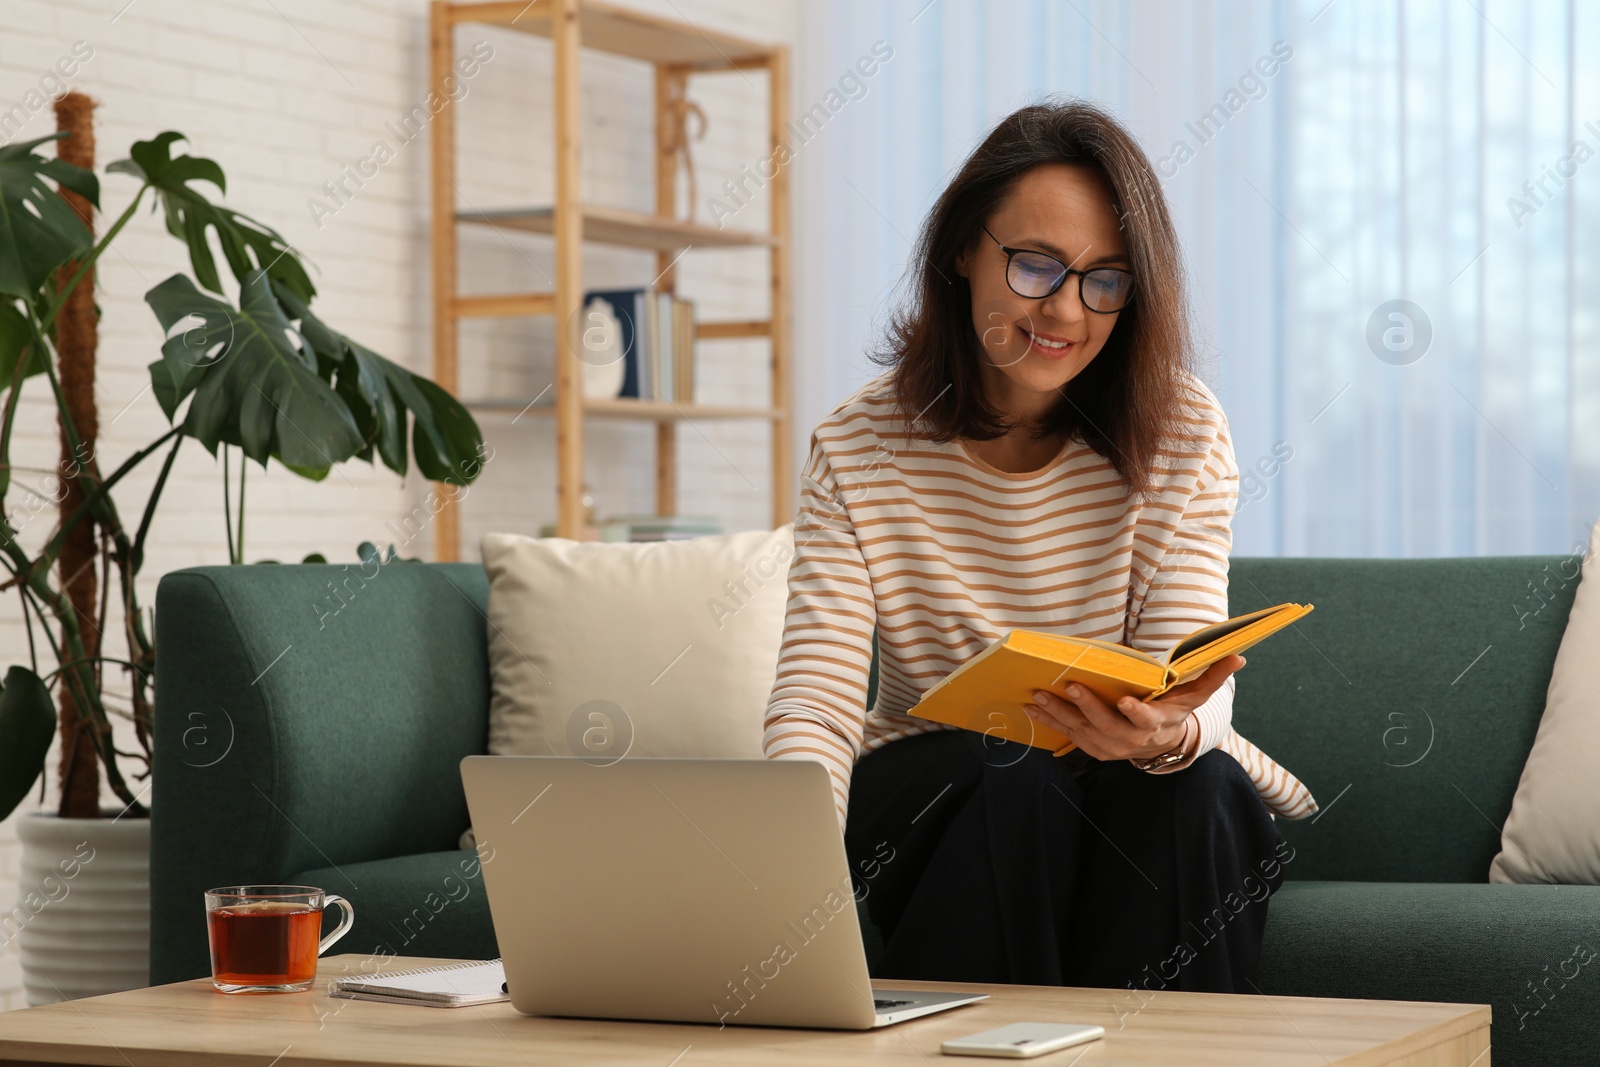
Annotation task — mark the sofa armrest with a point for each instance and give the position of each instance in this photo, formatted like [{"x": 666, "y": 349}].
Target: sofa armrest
[
  {"x": 1531, "y": 952},
  {"x": 306, "y": 717}
]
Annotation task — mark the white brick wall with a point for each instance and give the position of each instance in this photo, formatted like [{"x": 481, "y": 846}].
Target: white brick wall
[{"x": 282, "y": 95}]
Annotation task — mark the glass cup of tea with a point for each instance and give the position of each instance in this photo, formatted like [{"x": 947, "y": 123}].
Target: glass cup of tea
[{"x": 266, "y": 938}]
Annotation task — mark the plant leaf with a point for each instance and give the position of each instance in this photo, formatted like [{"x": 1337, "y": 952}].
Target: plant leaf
[
  {"x": 246, "y": 244},
  {"x": 166, "y": 392},
  {"x": 14, "y": 337},
  {"x": 27, "y": 726},
  {"x": 460, "y": 460},
  {"x": 39, "y": 231},
  {"x": 252, "y": 378},
  {"x": 380, "y": 393},
  {"x": 311, "y": 474}
]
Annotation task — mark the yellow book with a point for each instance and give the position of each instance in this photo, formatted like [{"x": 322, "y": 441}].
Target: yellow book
[{"x": 986, "y": 694}]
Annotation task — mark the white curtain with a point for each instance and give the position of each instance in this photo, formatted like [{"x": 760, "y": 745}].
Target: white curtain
[{"x": 1440, "y": 153}]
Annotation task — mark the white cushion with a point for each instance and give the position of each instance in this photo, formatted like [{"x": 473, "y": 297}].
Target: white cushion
[
  {"x": 605, "y": 650},
  {"x": 1553, "y": 831},
  {"x": 602, "y": 650}
]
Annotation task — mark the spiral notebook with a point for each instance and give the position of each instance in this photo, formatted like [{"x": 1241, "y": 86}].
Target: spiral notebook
[{"x": 450, "y": 985}]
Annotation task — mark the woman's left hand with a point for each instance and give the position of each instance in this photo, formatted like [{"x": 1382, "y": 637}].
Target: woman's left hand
[{"x": 1133, "y": 728}]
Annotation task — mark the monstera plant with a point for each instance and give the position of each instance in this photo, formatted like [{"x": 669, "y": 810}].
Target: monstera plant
[{"x": 253, "y": 370}]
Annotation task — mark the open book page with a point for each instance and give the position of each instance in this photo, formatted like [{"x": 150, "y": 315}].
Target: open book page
[
  {"x": 1207, "y": 634},
  {"x": 1205, "y": 646}
]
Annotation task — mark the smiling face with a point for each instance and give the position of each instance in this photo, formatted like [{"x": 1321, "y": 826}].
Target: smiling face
[{"x": 1034, "y": 347}]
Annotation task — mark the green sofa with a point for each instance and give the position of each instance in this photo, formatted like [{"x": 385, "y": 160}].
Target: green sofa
[{"x": 312, "y": 717}]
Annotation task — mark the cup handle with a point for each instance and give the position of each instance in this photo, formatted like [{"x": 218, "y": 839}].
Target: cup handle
[{"x": 345, "y": 923}]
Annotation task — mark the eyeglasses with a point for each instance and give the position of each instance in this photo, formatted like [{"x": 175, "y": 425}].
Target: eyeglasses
[{"x": 1036, "y": 275}]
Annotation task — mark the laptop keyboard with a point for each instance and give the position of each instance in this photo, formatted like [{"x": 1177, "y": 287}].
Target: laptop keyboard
[{"x": 886, "y": 1005}]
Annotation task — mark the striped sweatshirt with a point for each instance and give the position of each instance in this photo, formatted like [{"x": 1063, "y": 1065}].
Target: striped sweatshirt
[{"x": 943, "y": 553}]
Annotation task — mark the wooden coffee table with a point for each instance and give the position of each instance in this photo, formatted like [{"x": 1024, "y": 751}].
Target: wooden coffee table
[{"x": 188, "y": 1024}]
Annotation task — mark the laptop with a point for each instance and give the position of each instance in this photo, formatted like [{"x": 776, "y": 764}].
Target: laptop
[{"x": 681, "y": 890}]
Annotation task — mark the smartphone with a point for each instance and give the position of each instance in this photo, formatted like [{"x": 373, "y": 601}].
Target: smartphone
[{"x": 1020, "y": 1040}]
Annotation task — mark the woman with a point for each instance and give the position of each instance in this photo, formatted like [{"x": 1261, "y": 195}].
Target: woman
[{"x": 1038, "y": 455}]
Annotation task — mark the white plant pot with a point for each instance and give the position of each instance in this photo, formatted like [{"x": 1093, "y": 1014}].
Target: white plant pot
[{"x": 82, "y": 917}]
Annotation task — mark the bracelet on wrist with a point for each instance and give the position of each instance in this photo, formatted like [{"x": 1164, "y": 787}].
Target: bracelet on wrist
[{"x": 1176, "y": 754}]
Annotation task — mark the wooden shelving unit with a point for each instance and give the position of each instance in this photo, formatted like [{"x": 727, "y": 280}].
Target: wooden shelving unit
[{"x": 676, "y": 50}]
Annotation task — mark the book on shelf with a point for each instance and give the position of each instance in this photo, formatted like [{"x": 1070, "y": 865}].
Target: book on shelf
[
  {"x": 661, "y": 333},
  {"x": 659, "y": 527},
  {"x": 683, "y": 350},
  {"x": 636, "y": 343},
  {"x": 986, "y": 693},
  {"x": 645, "y": 528}
]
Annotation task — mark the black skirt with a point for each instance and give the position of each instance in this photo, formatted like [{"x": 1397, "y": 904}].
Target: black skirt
[{"x": 986, "y": 861}]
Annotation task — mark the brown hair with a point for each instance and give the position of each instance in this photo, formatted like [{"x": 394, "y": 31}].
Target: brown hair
[{"x": 1123, "y": 402}]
